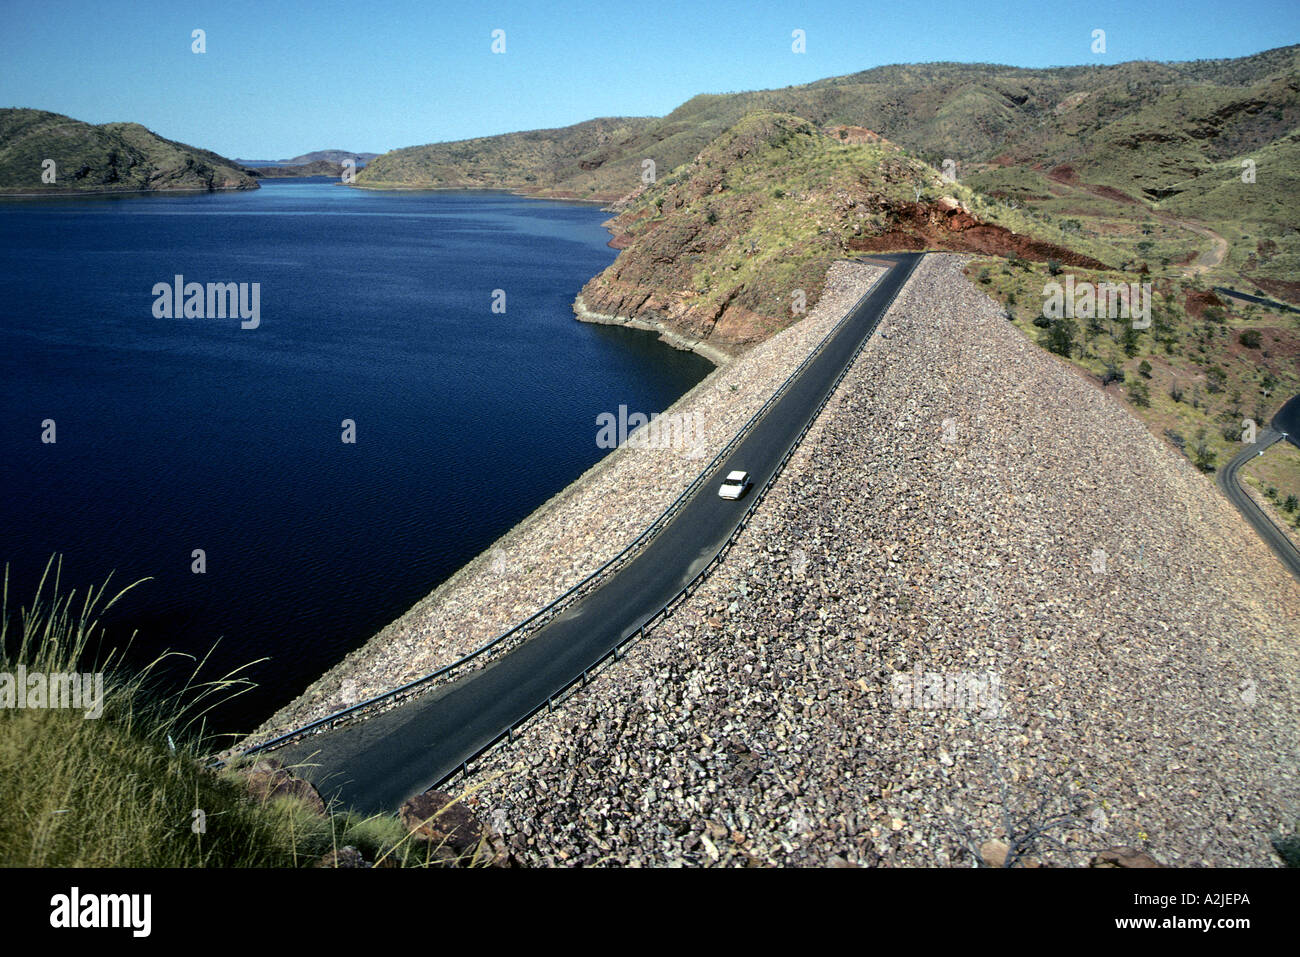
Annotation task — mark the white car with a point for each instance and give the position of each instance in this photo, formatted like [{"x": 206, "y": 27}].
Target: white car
[{"x": 734, "y": 485}]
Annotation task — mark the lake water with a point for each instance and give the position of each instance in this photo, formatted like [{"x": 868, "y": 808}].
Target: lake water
[{"x": 176, "y": 434}]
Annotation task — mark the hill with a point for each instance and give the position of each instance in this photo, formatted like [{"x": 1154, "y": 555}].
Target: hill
[
  {"x": 314, "y": 168},
  {"x": 106, "y": 158},
  {"x": 1092, "y": 147},
  {"x": 967, "y": 112},
  {"x": 735, "y": 244},
  {"x": 330, "y": 156}
]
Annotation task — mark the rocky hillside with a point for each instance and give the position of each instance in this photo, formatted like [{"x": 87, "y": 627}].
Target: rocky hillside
[
  {"x": 1096, "y": 118},
  {"x": 721, "y": 249},
  {"x": 1113, "y": 152},
  {"x": 106, "y": 158}
]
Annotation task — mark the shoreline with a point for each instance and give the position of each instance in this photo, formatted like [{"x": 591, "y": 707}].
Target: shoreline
[
  {"x": 667, "y": 334},
  {"x": 479, "y": 189},
  {"x": 5, "y": 194}
]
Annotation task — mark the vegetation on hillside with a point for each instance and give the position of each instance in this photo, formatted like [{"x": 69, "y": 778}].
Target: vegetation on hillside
[
  {"x": 1159, "y": 163},
  {"x": 1205, "y": 364},
  {"x": 44, "y": 152},
  {"x": 729, "y": 245},
  {"x": 121, "y": 789}
]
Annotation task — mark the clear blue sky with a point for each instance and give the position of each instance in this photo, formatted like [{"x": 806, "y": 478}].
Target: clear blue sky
[{"x": 282, "y": 78}]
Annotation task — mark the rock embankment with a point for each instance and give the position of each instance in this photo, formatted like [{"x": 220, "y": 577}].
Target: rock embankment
[
  {"x": 579, "y": 529},
  {"x": 981, "y": 592}
]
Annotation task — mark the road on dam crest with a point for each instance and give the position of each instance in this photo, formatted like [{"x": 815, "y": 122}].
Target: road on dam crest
[{"x": 375, "y": 764}]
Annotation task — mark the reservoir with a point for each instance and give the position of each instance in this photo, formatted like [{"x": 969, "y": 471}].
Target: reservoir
[{"x": 413, "y": 386}]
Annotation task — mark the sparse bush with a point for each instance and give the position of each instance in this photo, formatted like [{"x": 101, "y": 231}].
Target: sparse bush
[
  {"x": 1140, "y": 395},
  {"x": 1144, "y": 369},
  {"x": 1176, "y": 392},
  {"x": 1203, "y": 457}
]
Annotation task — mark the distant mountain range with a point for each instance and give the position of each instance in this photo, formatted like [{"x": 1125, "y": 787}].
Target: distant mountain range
[
  {"x": 1150, "y": 130},
  {"x": 327, "y": 156},
  {"x": 1119, "y": 165},
  {"x": 42, "y": 152}
]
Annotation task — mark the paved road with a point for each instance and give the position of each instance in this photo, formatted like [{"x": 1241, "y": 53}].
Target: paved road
[
  {"x": 1286, "y": 424},
  {"x": 375, "y": 765},
  {"x": 1287, "y": 421},
  {"x": 1247, "y": 297}
]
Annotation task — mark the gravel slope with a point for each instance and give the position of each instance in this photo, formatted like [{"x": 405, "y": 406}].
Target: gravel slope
[{"x": 944, "y": 518}]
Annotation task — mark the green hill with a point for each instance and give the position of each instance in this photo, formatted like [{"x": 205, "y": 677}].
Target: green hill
[
  {"x": 1120, "y": 155},
  {"x": 970, "y": 113},
  {"x": 536, "y": 160},
  {"x": 107, "y": 158},
  {"x": 719, "y": 247}
]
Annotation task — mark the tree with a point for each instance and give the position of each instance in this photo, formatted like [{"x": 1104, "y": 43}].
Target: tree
[
  {"x": 1131, "y": 341},
  {"x": 1060, "y": 337}
]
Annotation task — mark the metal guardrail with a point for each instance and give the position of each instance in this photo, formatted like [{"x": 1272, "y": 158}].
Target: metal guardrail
[{"x": 538, "y": 618}]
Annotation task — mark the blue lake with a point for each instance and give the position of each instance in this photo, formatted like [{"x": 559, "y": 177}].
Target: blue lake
[{"x": 176, "y": 434}]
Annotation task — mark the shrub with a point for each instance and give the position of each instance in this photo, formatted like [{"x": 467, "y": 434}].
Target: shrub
[
  {"x": 1131, "y": 336},
  {"x": 1060, "y": 337},
  {"x": 1249, "y": 338},
  {"x": 1144, "y": 369},
  {"x": 1291, "y": 504},
  {"x": 1203, "y": 456}
]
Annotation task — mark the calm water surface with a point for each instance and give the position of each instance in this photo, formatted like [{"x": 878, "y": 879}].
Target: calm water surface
[{"x": 182, "y": 434}]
